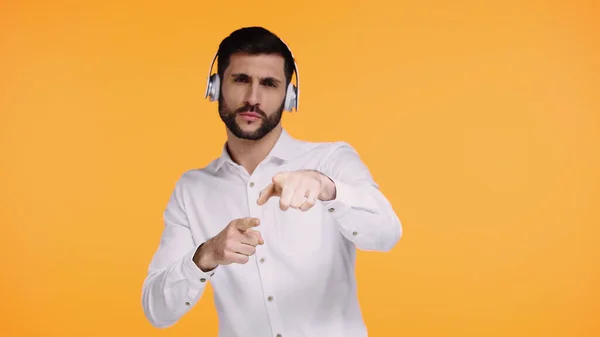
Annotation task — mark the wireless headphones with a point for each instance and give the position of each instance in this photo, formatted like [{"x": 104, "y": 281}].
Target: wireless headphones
[{"x": 292, "y": 94}]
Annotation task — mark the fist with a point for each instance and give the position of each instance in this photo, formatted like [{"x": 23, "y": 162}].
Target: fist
[
  {"x": 234, "y": 244},
  {"x": 298, "y": 189}
]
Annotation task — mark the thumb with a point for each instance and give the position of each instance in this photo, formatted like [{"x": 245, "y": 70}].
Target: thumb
[{"x": 259, "y": 236}]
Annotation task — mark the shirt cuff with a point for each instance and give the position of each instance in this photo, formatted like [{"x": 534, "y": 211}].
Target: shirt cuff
[
  {"x": 191, "y": 270},
  {"x": 345, "y": 198}
]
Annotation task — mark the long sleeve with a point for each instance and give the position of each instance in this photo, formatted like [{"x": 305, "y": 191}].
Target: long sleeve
[
  {"x": 174, "y": 283},
  {"x": 364, "y": 215}
]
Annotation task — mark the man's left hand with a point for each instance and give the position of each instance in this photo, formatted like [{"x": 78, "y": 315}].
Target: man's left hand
[{"x": 298, "y": 189}]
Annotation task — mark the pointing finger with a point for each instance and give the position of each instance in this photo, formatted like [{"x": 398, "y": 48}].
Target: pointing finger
[
  {"x": 246, "y": 223},
  {"x": 280, "y": 178},
  {"x": 268, "y": 192}
]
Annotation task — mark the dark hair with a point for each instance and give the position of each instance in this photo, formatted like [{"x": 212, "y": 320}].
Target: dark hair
[{"x": 254, "y": 40}]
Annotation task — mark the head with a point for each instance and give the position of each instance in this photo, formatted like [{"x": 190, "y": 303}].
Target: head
[{"x": 255, "y": 68}]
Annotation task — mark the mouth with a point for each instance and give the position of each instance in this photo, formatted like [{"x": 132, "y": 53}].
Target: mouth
[{"x": 250, "y": 114}]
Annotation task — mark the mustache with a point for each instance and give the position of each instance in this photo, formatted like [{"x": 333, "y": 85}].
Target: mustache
[{"x": 251, "y": 108}]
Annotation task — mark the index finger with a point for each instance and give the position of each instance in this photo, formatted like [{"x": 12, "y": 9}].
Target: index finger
[
  {"x": 246, "y": 223},
  {"x": 265, "y": 194}
]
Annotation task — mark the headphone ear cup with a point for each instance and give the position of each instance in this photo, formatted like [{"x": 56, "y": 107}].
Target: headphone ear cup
[
  {"x": 290, "y": 97},
  {"x": 214, "y": 87}
]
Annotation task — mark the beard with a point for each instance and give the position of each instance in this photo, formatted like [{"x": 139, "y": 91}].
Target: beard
[{"x": 268, "y": 123}]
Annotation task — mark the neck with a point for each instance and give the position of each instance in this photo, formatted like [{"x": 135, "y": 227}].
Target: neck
[{"x": 249, "y": 153}]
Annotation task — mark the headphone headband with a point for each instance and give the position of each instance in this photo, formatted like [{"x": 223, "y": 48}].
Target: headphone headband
[{"x": 292, "y": 96}]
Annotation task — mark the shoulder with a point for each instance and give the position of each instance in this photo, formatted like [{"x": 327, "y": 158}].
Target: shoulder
[
  {"x": 336, "y": 159},
  {"x": 326, "y": 149},
  {"x": 193, "y": 178}
]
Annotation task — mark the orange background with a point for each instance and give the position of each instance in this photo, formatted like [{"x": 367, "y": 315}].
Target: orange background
[{"x": 480, "y": 121}]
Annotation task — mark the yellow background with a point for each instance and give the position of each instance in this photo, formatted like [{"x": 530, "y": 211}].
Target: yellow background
[{"x": 480, "y": 121}]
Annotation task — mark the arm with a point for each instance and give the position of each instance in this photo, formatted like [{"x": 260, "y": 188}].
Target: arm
[
  {"x": 362, "y": 212},
  {"x": 174, "y": 283}
]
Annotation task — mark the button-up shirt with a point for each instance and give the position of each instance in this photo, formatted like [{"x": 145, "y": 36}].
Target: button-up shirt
[{"x": 301, "y": 281}]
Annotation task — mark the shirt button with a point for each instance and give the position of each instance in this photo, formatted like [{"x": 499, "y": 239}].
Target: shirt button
[
  {"x": 331, "y": 210},
  {"x": 187, "y": 303},
  {"x": 262, "y": 259},
  {"x": 278, "y": 335},
  {"x": 202, "y": 280},
  {"x": 251, "y": 184},
  {"x": 270, "y": 298},
  {"x": 355, "y": 233}
]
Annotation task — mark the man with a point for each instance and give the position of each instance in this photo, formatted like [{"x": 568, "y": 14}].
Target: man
[{"x": 274, "y": 222}]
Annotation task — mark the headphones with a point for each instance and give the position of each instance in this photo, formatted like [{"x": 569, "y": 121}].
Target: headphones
[{"x": 292, "y": 94}]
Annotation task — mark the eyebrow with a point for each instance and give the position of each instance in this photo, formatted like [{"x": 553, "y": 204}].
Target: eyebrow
[{"x": 269, "y": 78}]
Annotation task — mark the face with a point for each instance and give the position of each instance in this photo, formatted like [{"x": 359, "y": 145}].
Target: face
[{"x": 252, "y": 94}]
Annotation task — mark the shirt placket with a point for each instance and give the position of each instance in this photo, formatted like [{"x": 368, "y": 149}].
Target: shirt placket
[{"x": 265, "y": 270}]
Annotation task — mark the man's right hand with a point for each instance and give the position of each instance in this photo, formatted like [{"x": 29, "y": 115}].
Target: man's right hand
[{"x": 234, "y": 244}]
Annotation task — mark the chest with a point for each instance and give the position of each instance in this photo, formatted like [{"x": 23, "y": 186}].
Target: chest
[{"x": 294, "y": 237}]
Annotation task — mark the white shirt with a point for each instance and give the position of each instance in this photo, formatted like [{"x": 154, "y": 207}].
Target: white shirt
[{"x": 301, "y": 282}]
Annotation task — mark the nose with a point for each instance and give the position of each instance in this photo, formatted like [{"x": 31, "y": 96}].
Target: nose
[{"x": 252, "y": 93}]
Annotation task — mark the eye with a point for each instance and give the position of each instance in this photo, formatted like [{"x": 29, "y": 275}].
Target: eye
[{"x": 270, "y": 83}]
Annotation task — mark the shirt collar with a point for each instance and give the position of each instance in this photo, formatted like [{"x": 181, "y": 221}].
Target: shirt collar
[{"x": 282, "y": 151}]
